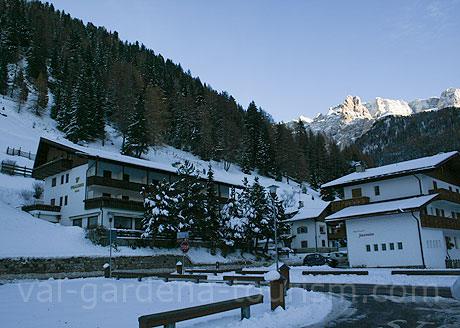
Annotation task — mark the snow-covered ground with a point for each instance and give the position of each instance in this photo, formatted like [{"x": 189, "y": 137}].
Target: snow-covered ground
[{"x": 99, "y": 302}]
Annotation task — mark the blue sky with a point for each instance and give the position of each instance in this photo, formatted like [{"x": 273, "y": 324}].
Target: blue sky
[{"x": 296, "y": 57}]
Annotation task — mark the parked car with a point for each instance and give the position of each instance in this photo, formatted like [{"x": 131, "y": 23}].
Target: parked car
[
  {"x": 341, "y": 257},
  {"x": 318, "y": 259}
]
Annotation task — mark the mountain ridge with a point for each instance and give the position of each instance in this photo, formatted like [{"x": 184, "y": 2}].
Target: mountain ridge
[{"x": 345, "y": 123}]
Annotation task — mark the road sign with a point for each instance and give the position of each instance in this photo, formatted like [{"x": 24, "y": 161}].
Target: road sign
[
  {"x": 114, "y": 236},
  {"x": 183, "y": 235},
  {"x": 184, "y": 247}
]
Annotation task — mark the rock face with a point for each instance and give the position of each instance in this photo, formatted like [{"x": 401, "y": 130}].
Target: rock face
[{"x": 346, "y": 122}]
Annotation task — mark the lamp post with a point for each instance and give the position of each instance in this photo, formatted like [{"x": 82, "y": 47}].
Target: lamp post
[{"x": 272, "y": 190}]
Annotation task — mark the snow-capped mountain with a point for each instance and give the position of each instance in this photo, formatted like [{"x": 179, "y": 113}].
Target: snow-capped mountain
[{"x": 346, "y": 122}]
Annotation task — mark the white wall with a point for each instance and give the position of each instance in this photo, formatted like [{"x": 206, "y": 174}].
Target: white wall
[
  {"x": 434, "y": 247},
  {"x": 383, "y": 229},
  {"x": 310, "y": 235}
]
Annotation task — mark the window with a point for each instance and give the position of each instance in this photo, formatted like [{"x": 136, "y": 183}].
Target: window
[
  {"x": 92, "y": 222},
  {"x": 122, "y": 222},
  {"x": 392, "y": 246},
  {"x": 62, "y": 179},
  {"x": 443, "y": 214},
  {"x": 126, "y": 177},
  {"x": 304, "y": 243},
  {"x": 53, "y": 182},
  {"x": 458, "y": 191},
  {"x": 61, "y": 201},
  {"x": 105, "y": 194},
  {"x": 107, "y": 174},
  {"x": 458, "y": 215},
  {"x": 125, "y": 197},
  {"x": 377, "y": 190},
  {"x": 321, "y": 229},
  {"x": 400, "y": 245},
  {"x": 53, "y": 202},
  {"x": 138, "y": 224},
  {"x": 438, "y": 213},
  {"x": 455, "y": 242},
  {"x": 76, "y": 223},
  {"x": 67, "y": 178},
  {"x": 368, "y": 248},
  {"x": 356, "y": 192},
  {"x": 376, "y": 247},
  {"x": 302, "y": 230},
  {"x": 450, "y": 188},
  {"x": 384, "y": 247},
  {"x": 323, "y": 243},
  {"x": 66, "y": 200},
  {"x": 435, "y": 185},
  {"x": 423, "y": 210},
  {"x": 452, "y": 214}
]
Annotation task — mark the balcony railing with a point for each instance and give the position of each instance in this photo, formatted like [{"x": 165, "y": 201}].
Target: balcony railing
[
  {"x": 41, "y": 207},
  {"x": 114, "y": 183},
  {"x": 52, "y": 168},
  {"x": 446, "y": 194},
  {"x": 432, "y": 221},
  {"x": 108, "y": 202},
  {"x": 341, "y": 204}
]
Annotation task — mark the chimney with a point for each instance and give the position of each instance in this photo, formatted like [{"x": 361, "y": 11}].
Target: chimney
[{"x": 360, "y": 167}]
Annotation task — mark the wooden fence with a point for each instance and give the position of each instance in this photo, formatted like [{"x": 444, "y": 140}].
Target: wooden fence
[
  {"x": 19, "y": 152},
  {"x": 13, "y": 169}
]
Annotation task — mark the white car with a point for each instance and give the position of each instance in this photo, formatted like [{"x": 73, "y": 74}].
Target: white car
[{"x": 341, "y": 257}]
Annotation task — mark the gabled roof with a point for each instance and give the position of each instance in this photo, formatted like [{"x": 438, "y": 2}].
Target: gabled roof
[
  {"x": 309, "y": 212},
  {"x": 401, "y": 168},
  {"x": 95, "y": 153},
  {"x": 389, "y": 207}
]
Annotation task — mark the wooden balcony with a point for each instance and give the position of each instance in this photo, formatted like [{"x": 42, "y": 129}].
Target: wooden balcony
[
  {"x": 52, "y": 168},
  {"x": 41, "y": 207},
  {"x": 432, "y": 221},
  {"x": 107, "y": 202},
  {"x": 447, "y": 195},
  {"x": 114, "y": 183},
  {"x": 341, "y": 204}
]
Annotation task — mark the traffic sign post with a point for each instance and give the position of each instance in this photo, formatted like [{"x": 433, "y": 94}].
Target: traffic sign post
[{"x": 184, "y": 247}]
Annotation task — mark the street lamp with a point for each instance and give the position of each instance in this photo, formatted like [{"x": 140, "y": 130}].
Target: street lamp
[{"x": 272, "y": 190}]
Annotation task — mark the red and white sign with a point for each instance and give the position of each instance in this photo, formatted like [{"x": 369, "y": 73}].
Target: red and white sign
[{"x": 184, "y": 247}]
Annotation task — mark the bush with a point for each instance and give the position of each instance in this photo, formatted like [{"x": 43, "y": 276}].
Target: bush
[
  {"x": 97, "y": 235},
  {"x": 39, "y": 188}
]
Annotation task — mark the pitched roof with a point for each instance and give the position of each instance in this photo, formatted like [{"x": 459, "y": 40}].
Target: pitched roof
[
  {"x": 309, "y": 212},
  {"x": 395, "y": 206},
  {"x": 407, "y": 167}
]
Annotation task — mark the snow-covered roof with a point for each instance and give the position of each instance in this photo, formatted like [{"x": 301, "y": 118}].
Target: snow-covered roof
[
  {"x": 103, "y": 154},
  {"x": 309, "y": 212},
  {"x": 415, "y": 165},
  {"x": 401, "y": 205}
]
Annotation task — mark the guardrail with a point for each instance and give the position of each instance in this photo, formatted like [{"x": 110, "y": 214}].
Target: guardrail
[{"x": 168, "y": 319}]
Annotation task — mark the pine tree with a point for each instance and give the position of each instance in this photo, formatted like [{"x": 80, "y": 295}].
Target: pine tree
[
  {"x": 41, "y": 88},
  {"x": 136, "y": 137},
  {"x": 213, "y": 229},
  {"x": 23, "y": 90},
  {"x": 234, "y": 225},
  {"x": 160, "y": 210}
]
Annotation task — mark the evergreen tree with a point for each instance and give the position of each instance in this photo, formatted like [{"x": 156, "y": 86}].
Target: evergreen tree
[
  {"x": 234, "y": 225},
  {"x": 160, "y": 210},
  {"x": 136, "y": 137},
  {"x": 213, "y": 229},
  {"x": 41, "y": 89},
  {"x": 23, "y": 90}
]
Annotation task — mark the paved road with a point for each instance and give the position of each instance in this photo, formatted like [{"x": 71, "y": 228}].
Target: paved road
[{"x": 384, "y": 312}]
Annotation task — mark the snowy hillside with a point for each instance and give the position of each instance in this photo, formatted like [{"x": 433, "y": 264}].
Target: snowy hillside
[
  {"x": 24, "y": 235},
  {"x": 346, "y": 122}
]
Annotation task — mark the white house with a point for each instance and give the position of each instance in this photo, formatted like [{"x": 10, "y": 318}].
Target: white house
[
  {"x": 402, "y": 215},
  {"x": 88, "y": 187},
  {"x": 309, "y": 232}
]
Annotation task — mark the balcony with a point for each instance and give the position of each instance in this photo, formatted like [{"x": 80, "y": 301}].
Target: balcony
[
  {"x": 108, "y": 202},
  {"x": 41, "y": 207},
  {"x": 114, "y": 183},
  {"x": 341, "y": 204},
  {"x": 446, "y": 195},
  {"x": 340, "y": 234},
  {"x": 432, "y": 221},
  {"x": 52, "y": 168}
]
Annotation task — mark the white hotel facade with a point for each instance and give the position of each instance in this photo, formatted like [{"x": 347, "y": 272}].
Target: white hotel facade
[
  {"x": 89, "y": 187},
  {"x": 402, "y": 215}
]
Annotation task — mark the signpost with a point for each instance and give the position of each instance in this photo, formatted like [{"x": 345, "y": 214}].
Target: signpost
[{"x": 184, "y": 247}]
